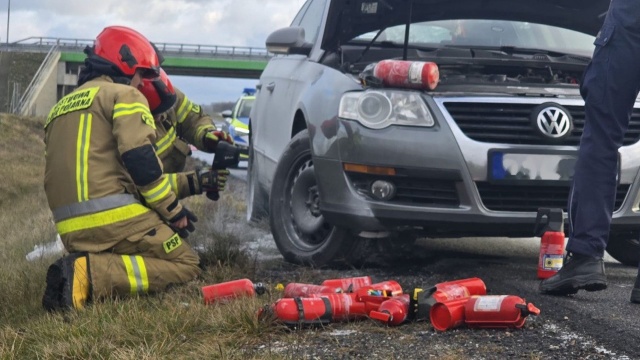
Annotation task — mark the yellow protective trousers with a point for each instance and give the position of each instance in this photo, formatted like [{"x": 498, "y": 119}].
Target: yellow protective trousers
[{"x": 143, "y": 263}]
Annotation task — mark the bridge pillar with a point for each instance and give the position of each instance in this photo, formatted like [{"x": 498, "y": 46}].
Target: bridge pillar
[{"x": 67, "y": 78}]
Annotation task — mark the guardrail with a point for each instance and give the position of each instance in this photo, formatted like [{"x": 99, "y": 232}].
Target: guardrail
[{"x": 44, "y": 43}]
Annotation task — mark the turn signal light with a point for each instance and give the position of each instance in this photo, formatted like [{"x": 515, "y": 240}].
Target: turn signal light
[{"x": 366, "y": 169}]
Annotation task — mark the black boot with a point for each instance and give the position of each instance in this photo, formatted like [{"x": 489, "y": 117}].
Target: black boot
[
  {"x": 635, "y": 293},
  {"x": 52, "y": 298},
  {"x": 580, "y": 272},
  {"x": 68, "y": 283}
]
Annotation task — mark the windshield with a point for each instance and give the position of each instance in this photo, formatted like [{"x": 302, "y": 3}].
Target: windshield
[
  {"x": 245, "y": 108},
  {"x": 488, "y": 33}
]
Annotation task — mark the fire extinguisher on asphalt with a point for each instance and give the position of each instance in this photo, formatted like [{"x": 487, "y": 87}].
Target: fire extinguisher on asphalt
[
  {"x": 550, "y": 227},
  {"x": 498, "y": 311},
  {"x": 383, "y": 289},
  {"x": 482, "y": 311},
  {"x": 448, "y": 315},
  {"x": 423, "y": 300},
  {"x": 348, "y": 284},
  {"x": 231, "y": 289},
  {"x": 305, "y": 290},
  {"x": 393, "y": 311},
  {"x": 319, "y": 310}
]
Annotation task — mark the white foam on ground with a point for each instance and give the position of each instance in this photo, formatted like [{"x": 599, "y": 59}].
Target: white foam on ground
[
  {"x": 568, "y": 336},
  {"x": 342, "y": 332},
  {"x": 263, "y": 248}
]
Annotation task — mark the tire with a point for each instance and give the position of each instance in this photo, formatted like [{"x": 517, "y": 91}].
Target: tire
[
  {"x": 256, "y": 198},
  {"x": 299, "y": 229},
  {"x": 625, "y": 247}
]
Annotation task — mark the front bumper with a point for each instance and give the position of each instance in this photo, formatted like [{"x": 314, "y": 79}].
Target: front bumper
[{"x": 442, "y": 181}]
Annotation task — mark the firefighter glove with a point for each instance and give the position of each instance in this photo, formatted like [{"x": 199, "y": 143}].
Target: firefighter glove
[
  {"x": 191, "y": 218},
  {"x": 213, "y": 180},
  {"x": 213, "y": 137}
]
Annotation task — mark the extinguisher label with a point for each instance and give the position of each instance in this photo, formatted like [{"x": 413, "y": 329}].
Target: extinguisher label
[
  {"x": 415, "y": 73},
  {"x": 489, "y": 303},
  {"x": 552, "y": 262}
]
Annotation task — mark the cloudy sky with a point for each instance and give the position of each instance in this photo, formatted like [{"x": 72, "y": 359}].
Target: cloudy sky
[{"x": 205, "y": 22}]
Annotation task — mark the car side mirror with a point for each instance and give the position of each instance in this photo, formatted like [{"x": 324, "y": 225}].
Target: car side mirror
[
  {"x": 226, "y": 114},
  {"x": 287, "y": 41}
]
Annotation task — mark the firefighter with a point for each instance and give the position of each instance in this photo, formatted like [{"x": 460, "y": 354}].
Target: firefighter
[
  {"x": 112, "y": 205},
  {"x": 610, "y": 88},
  {"x": 180, "y": 122}
]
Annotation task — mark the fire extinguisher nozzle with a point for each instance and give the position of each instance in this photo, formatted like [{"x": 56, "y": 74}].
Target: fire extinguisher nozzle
[
  {"x": 528, "y": 309},
  {"x": 532, "y": 309},
  {"x": 383, "y": 316}
]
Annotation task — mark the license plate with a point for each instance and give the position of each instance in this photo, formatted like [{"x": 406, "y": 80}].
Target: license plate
[{"x": 517, "y": 167}]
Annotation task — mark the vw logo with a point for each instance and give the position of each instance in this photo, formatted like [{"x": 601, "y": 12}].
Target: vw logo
[{"x": 553, "y": 121}]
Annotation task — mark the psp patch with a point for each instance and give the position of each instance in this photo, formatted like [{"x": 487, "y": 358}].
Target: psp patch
[
  {"x": 173, "y": 243},
  {"x": 195, "y": 108}
]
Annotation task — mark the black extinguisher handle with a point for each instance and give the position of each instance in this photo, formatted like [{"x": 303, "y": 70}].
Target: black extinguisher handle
[{"x": 213, "y": 195}]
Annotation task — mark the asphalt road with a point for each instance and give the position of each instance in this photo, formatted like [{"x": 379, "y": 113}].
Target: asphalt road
[
  {"x": 587, "y": 325},
  {"x": 606, "y": 316}
]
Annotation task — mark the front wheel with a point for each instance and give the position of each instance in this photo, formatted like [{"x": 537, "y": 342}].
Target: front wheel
[
  {"x": 300, "y": 231},
  {"x": 625, "y": 247}
]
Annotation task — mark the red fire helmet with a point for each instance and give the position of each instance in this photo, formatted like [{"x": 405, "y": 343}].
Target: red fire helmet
[
  {"x": 128, "y": 50},
  {"x": 159, "y": 93}
]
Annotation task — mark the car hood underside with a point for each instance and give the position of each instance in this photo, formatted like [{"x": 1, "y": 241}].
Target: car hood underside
[{"x": 348, "y": 19}]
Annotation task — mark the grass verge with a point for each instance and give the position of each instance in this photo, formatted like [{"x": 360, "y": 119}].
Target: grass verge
[{"x": 174, "y": 324}]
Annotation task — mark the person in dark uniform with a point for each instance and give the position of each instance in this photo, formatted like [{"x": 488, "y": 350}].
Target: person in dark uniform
[{"x": 610, "y": 87}]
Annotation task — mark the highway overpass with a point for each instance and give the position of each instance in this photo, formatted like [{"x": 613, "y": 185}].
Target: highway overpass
[
  {"x": 180, "y": 59},
  {"x": 63, "y": 57}
]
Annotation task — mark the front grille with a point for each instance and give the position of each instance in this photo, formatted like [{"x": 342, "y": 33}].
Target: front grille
[
  {"x": 511, "y": 123},
  {"x": 411, "y": 190},
  {"x": 503, "y": 197}
]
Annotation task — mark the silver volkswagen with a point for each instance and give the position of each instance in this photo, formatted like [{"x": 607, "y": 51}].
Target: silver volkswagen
[{"x": 343, "y": 162}]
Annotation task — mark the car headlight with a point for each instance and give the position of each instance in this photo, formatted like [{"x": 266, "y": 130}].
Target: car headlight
[{"x": 378, "y": 109}]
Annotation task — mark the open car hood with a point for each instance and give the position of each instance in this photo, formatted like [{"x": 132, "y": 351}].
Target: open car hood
[{"x": 348, "y": 19}]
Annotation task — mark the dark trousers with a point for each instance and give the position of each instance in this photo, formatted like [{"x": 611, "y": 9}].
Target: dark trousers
[{"x": 610, "y": 87}]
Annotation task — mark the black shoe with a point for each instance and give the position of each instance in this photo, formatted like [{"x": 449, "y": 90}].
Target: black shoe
[
  {"x": 60, "y": 293},
  {"x": 580, "y": 272},
  {"x": 635, "y": 293}
]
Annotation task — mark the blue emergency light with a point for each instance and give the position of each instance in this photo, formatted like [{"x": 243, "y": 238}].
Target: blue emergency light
[{"x": 249, "y": 91}]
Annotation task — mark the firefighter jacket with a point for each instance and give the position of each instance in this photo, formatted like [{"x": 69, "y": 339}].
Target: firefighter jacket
[
  {"x": 103, "y": 179},
  {"x": 183, "y": 124}
]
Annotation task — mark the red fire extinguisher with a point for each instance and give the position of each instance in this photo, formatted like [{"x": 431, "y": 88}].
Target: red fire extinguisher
[
  {"x": 393, "y": 311},
  {"x": 458, "y": 289},
  {"x": 423, "y": 300},
  {"x": 305, "y": 290},
  {"x": 382, "y": 289},
  {"x": 550, "y": 227},
  {"x": 497, "y": 311},
  {"x": 448, "y": 315},
  {"x": 230, "y": 290},
  {"x": 407, "y": 74},
  {"x": 348, "y": 284},
  {"x": 319, "y": 310}
]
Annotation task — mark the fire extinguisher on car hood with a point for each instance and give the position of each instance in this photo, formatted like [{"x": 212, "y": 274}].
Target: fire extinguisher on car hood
[{"x": 407, "y": 74}]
